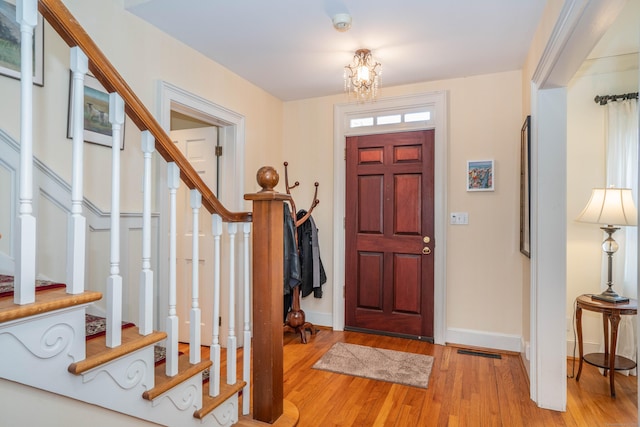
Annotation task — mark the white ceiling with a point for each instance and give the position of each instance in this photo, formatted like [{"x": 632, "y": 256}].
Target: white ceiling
[{"x": 290, "y": 49}]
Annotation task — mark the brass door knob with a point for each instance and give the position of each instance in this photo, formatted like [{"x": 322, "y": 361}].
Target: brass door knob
[
  {"x": 426, "y": 250},
  {"x": 426, "y": 239}
]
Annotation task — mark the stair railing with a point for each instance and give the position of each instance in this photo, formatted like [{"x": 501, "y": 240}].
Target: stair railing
[{"x": 85, "y": 56}]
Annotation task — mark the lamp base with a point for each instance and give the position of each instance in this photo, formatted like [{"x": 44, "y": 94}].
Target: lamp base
[{"x": 615, "y": 298}]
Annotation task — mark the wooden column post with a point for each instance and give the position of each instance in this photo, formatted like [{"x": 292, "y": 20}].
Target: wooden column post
[{"x": 268, "y": 219}]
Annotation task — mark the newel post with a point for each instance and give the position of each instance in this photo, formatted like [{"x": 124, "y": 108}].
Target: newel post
[{"x": 268, "y": 219}]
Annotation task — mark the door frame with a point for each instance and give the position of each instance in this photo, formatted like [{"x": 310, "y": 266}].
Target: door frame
[
  {"x": 232, "y": 164},
  {"x": 436, "y": 103}
]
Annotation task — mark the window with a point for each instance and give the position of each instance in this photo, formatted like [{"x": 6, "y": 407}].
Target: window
[
  {"x": 364, "y": 121},
  {"x": 392, "y": 118},
  {"x": 389, "y": 120},
  {"x": 417, "y": 117}
]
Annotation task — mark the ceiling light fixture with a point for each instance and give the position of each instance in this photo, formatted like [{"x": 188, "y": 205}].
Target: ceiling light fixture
[{"x": 362, "y": 76}]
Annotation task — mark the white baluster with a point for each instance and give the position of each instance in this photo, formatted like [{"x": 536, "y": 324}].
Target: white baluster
[
  {"x": 146, "y": 275},
  {"x": 195, "y": 317},
  {"x": 232, "y": 343},
  {"x": 246, "y": 352},
  {"x": 114, "y": 282},
  {"x": 214, "y": 380},
  {"x": 24, "y": 293},
  {"x": 173, "y": 179},
  {"x": 76, "y": 223}
]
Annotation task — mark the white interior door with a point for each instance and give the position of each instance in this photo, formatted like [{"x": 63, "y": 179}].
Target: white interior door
[{"x": 198, "y": 146}]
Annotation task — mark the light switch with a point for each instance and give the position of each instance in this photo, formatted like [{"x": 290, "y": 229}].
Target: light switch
[{"x": 459, "y": 218}]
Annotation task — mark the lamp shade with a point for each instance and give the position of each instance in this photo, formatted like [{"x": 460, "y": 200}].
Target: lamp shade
[{"x": 610, "y": 206}]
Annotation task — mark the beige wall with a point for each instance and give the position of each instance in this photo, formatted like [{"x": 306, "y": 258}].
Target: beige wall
[{"x": 484, "y": 280}]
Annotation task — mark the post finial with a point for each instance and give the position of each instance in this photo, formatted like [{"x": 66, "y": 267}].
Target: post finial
[{"x": 267, "y": 178}]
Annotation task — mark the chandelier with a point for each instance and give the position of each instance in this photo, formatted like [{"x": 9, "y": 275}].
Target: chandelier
[{"x": 362, "y": 76}]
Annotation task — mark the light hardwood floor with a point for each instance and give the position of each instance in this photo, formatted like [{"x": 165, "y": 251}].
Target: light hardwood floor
[{"x": 463, "y": 390}]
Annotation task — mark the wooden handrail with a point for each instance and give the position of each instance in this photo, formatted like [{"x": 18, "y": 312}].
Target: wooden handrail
[{"x": 64, "y": 23}]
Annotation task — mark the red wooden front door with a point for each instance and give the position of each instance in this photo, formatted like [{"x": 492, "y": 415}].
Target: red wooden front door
[{"x": 389, "y": 233}]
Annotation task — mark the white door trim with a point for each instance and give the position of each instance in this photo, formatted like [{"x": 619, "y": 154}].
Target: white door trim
[
  {"x": 232, "y": 140},
  {"x": 437, "y": 103}
]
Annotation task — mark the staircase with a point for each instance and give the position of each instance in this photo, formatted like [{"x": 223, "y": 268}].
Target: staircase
[{"x": 42, "y": 334}]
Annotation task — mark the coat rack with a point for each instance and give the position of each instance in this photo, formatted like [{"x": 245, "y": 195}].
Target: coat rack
[{"x": 295, "y": 318}]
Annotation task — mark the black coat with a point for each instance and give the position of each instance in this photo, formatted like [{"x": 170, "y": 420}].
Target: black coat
[{"x": 313, "y": 275}]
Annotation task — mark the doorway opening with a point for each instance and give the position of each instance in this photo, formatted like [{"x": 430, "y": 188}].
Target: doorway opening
[{"x": 226, "y": 130}]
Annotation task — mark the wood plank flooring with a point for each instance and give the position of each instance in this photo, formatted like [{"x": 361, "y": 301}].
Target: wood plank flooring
[{"x": 464, "y": 390}]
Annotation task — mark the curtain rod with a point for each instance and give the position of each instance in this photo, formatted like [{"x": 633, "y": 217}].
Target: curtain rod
[{"x": 603, "y": 99}]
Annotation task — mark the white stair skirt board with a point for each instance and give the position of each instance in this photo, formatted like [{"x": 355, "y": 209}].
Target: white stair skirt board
[{"x": 37, "y": 352}]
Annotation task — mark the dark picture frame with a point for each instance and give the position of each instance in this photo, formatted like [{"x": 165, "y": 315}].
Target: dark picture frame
[
  {"x": 10, "y": 56},
  {"x": 97, "y": 128},
  {"x": 525, "y": 188}
]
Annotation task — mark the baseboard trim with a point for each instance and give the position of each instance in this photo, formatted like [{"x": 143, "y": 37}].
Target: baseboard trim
[
  {"x": 319, "y": 319},
  {"x": 484, "y": 339}
]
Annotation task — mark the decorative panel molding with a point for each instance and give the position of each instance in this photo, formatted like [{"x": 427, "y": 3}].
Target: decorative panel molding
[
  {"x": 371, "y": 272},
  {"x": 407, "y": 154},
  {"x": 371, "y": 189}
]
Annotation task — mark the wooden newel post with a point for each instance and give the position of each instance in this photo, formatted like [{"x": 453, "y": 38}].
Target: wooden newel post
[{"x": 268, "y": 220}]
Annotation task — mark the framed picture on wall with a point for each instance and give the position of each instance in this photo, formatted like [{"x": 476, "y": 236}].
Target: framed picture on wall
[
  {"x": 480, "y": 175},
  {"x": 10, "y": 56},
  {"x": 525, "y": 188},
  {"x": 97, "y": 127}
]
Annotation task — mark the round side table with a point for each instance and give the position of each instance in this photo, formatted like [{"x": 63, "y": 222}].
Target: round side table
[{"x": 611, "y": 313}]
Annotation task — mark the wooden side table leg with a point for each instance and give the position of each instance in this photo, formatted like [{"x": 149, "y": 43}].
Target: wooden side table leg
[
  {"x": 615, "y": 321},
  {"x": 605, "y": 329},
  {"x": 580, "y": 349}
]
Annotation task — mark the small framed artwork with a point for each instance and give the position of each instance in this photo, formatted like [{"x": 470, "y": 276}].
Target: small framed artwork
[
  {"x": 480, "y": 175},
  {"x": 10, "y": 56},
  {"x": 525, "y": 188},
  {"x": 97, "y": 127}
]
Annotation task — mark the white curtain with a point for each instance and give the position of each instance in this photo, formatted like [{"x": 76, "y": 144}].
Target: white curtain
[{"x": 622, "y": 172}]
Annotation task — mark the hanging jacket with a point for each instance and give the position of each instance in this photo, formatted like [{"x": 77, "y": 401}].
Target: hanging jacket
[
  {"x": 313, "y": 275},
  {"x": 291, "y": 259}
]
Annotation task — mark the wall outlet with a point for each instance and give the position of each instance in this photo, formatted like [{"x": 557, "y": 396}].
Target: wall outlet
[{"x": 459, "y": 218}]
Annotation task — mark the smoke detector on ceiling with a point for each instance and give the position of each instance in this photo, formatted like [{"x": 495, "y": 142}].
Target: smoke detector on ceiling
[{"x": 342, "y": 22}]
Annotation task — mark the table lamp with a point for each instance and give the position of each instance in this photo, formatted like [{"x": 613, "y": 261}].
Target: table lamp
[{"x": 613, "y": 208}]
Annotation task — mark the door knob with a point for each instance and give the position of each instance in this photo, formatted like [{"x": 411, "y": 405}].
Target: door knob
[
  {"x": 426, "y": 250},
  {"x": 426, "y": 239}
]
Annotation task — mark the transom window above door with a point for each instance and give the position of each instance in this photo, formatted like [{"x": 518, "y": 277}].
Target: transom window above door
[{"x": 392, "y": 118}]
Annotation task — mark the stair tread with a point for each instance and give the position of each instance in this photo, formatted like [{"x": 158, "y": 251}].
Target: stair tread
[
  {"x": 210, "y": 403},
  {"x": 46, "y": 301},
  {"x": 163, "y": 382},
  {"x": 98, "y": 353}
]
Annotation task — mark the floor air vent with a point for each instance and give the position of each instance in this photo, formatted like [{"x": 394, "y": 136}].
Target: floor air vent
[{"x": 480, "y": 353}]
